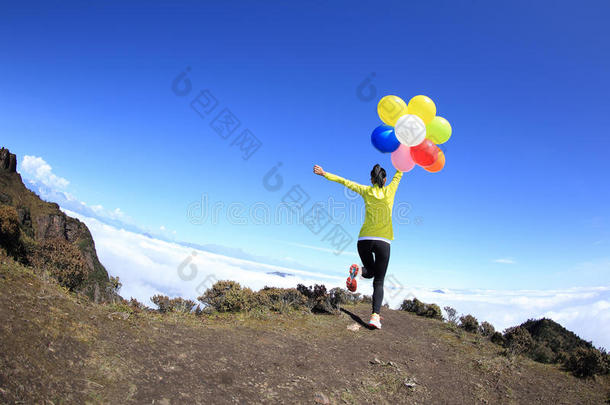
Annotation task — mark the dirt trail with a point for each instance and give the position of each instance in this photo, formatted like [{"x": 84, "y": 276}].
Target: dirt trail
[{"x": 57, "y": 347}]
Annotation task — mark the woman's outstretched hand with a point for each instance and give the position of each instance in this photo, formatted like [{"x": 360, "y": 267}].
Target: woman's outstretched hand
[{"x": 318, "y": 170}]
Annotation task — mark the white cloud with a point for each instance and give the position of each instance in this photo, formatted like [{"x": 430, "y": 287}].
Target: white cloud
[
  {"x": 41, "y": 179},
  {"x": 37, "y": 169},
  {"x": 505, "y": 260},
  {"x": 148, "y": 266}
]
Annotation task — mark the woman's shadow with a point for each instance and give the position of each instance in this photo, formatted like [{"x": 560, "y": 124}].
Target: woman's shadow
[{"x": 357, "y": 319}]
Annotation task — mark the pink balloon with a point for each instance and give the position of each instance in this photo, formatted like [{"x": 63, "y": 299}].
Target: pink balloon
[{"x": 401, "y": 158}]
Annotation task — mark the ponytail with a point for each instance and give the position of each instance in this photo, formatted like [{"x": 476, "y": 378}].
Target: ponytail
[{"x": 378, "y": 175}]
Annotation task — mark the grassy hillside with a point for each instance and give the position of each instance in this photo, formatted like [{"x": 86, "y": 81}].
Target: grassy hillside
[{"x": 58, "y": 346}]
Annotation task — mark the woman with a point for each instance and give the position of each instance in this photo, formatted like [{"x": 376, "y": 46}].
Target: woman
[{"x": 376, "y": 233}]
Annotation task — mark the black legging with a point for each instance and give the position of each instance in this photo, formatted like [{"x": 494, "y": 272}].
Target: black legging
[{"x": 375, "y": 266}]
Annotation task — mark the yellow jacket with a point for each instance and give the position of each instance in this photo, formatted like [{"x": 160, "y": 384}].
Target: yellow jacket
[{"x": 378, "y": 202}]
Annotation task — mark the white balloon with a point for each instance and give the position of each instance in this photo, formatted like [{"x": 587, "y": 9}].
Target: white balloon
[{"x": 410, "y": 130}]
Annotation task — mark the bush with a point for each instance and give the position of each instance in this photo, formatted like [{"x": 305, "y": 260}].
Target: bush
[
  {"x": 227, "y": 296},
  {"x": 517, "y": 340},
  {"x": 162, "y": 302},
  {"x": 352, "y": 298},
  {"x": 340, "y": 296},
  {"x": 487, "y": 329},
  {"x": 136, "y": 305},
  {"x": 469, "y": 323},
  {"x": 113, "y": 287},
  {"x": 586, "y": 362},
  {"x": 280, "y": 299},
  {"x": 318, "y": 300},
  {"x": 422, "y": 309},
  {"x": 10, "y": 234},
  {"x": 9, "y": 230},
  {"x": 415, "y": 306},
  {"x": 561, "y": 356},
  {"x": 62, "y": 260},
  {"x": 541, "y": 353},
  {"x": 434, "y": 311},
  {"x": 181, "y": 305},
  {"x": 451, "y": 315},
  {"x": 166, "y": 304},
  {"x": 497, "y": 338},
  {"x": 114, "y": 284}
]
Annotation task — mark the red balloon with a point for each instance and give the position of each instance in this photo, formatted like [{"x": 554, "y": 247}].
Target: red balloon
[
  {"x": 425, "y": 154},
  {"x": 438, "y": 165}
]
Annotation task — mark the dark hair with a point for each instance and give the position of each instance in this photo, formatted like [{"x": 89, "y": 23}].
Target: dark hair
[{"x": 378, "y": 175}]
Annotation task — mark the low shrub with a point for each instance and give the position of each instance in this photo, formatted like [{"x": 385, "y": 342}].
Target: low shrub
[
  {"x": 166, "y": 304},
  {"x": 228, "y": 296},
  {"x": 62, "y": 260},
  {"x": 181, "y": 305},
  {"x": 517, "y": 340},
  {"x": 451, "y": 315},
  {"x": 318, "y": 300},
  {"x": 486, "y": 329},
  {"x": 541, "y": 353},
  {"x": 422, "y": 309},
  {"x": 136, "y": 305},
  {"x": 114, "y": 285},
  {"x": 280, "y": 299},
  {"x": 161, "y": 301},
  {"x": 469, "y": 323},
  {"x": 497, "y": 338},
  {"x": 340, "y": 296},
  {"x": 9, "y": 229},
  {"x": 586, "y": 362}
]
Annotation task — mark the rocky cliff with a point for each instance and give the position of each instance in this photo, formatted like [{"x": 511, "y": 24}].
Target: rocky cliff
[{"x": 37, "y": 233}]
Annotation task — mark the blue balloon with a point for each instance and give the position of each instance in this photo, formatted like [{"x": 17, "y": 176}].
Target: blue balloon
[{"x": 384, "y": 139}]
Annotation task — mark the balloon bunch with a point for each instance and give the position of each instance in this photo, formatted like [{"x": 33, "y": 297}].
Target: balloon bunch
[{"x": 412, "y": 133}]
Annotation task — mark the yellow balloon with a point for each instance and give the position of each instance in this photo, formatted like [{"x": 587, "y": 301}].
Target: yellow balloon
[
  {"x": 391, "y": 108},
  {"x": 423, "y": 107}
]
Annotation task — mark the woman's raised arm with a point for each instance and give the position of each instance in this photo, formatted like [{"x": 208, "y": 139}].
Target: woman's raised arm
[{"x": 358, "y": 188}]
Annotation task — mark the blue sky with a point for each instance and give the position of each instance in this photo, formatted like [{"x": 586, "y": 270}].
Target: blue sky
[{"x": 523, "y": 201}]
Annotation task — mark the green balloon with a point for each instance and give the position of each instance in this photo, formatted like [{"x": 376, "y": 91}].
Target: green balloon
[{"x": 438, "y": 130}]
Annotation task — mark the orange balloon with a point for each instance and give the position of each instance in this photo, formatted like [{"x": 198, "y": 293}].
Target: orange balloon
[{"x": 438, "y": 165}]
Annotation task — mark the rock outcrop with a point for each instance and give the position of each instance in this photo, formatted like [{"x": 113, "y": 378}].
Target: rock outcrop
[
  {"x": 8, "y": 161},
  {"x": 42, "y": 225}
]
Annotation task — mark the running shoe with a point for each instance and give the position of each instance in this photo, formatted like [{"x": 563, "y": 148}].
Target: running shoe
[
  {"x": 375, "y": 321},
  {"x": 351, "y": 281}
]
